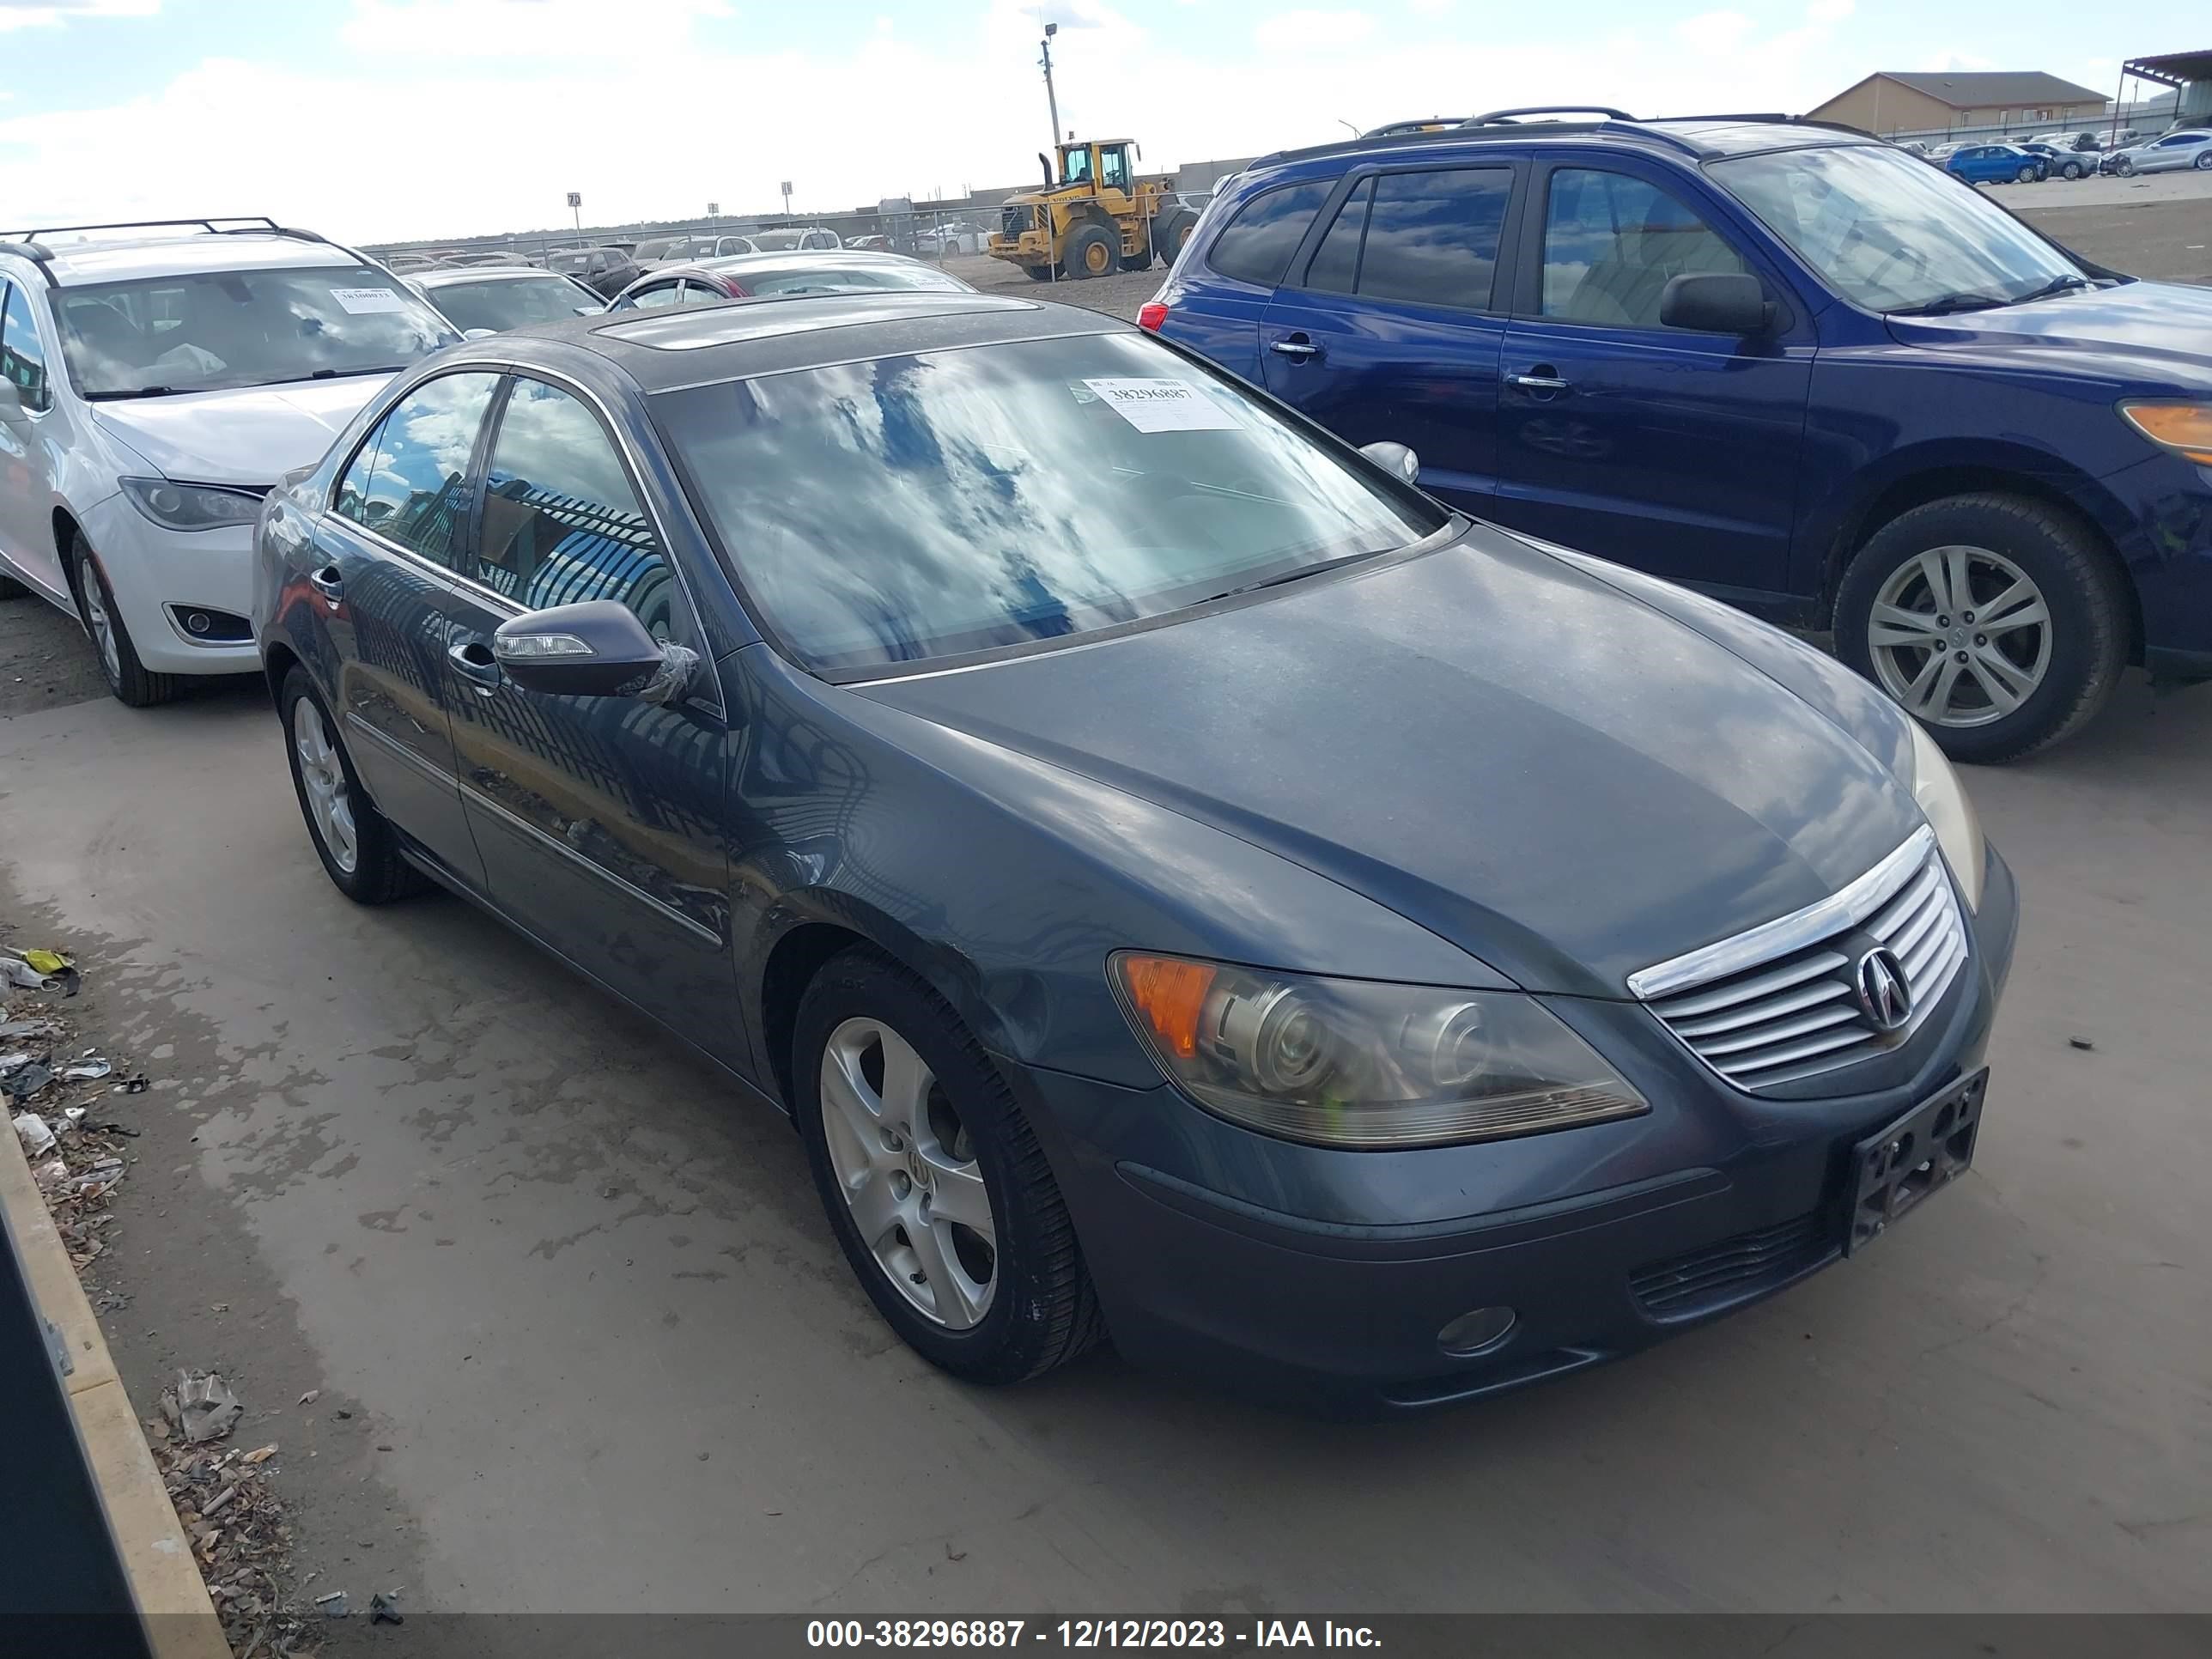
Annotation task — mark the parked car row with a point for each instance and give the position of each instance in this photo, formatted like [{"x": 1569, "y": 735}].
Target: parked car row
[{"x": 1005, "y": 739}]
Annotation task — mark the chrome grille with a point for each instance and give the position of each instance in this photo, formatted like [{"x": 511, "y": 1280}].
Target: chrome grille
[{"x": 1780, "y": 1004}]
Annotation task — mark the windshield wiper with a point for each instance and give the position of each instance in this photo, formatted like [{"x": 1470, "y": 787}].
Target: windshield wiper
[
  {"x": 132, "y": 391},
  {"x": 1951, "y": 303},
  {"x": 335, "y": 374},
  {"x": 2057, "y": 285},
  {"x": 1279, "y": 579}
]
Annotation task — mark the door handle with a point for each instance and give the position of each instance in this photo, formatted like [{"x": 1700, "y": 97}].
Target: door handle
[
  {"x": 473, "y": 661},
  {"x": 329, "y": 583},
  {"x": 1298, "y": 347},
  {"x": 1542, "y": 378}
]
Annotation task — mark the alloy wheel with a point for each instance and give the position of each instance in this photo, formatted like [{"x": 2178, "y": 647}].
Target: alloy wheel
[
  {"x": 1959, "y": 635},
  {"x": 906, "y": 1165},
  {"x": 322, "y": 775},
  {"x": 102, "y": 624}
]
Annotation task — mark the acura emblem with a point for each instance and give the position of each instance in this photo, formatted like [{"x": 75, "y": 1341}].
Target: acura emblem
[{"x": 1884, "y": 997}]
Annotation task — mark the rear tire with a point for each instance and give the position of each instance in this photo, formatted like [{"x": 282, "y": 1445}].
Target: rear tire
[
  {"x": 1037, "y": 273},
  {"x": 129, "y": 681},
  {"x": 367, "y": 867},
  {"x": 1009, "y": 1308},
  {"x": 1092, "y": 251},
  {"x": 1998, "y": 622},
  {"x": 1170, "y": 230},
  {"x": 2203, "y": 162}
]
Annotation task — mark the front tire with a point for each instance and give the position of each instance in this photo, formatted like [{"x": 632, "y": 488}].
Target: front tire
[
  {"x": 129, "y": 681},
  {"x": 2203, "y": 162},
  {"x": 355, "y": 840},
  {"x": 933, "y": 1180},
  {"x": 1999, "y": 623},
  {"x": 2027, "y": 176},
  {"x": 1090, "y": 252}
]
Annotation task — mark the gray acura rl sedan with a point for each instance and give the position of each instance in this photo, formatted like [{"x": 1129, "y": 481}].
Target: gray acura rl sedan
[{"x": 1183, "y": 882}]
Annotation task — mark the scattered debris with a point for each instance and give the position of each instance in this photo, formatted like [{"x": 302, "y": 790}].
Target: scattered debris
[
  {"x": 31, "y": 1129},
  {"x": 10, "y": 1062},
  {"x": 384, "y": 1609},
  {"x": 333, "y": 1604},
  {"x": 22, "y": 1028},
  {"x": 47, "y": 962},
  {"x": 52, "y": 1175},
  {"x": 16, "y": 971},
  {"x": 258, "y": 1455},
  {"x": 87, "y": 1071},
  {"x": 136, "y": 1085},
  {"x": 311, "y": 1396},
  {"x": 27, "y": 1080},
  {"x": 2080, "y": 1042},
  {"x": 200, "y": 1406}
]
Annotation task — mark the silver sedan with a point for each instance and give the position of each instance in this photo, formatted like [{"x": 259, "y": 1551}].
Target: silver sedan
[{"x": 2168, "y": 154}]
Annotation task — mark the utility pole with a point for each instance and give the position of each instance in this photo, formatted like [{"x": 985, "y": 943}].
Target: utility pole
[{"x": 1051, "y": 102}]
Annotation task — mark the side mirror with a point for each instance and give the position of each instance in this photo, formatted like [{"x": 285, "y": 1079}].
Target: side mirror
[
  {"x": 1716, "y": 302},
  {"x": 1395, "y": 457},
  {"x": 12, "y": 412},
  {"x": 596, "y": 648},
  {"x": 589, "y": 311}
]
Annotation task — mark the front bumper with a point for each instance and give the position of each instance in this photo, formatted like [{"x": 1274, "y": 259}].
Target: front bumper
[
  {"x": 1031, "y": 247},
  {"x": 151, "y": 569},
  {"x": 1321, "y": 1278}
]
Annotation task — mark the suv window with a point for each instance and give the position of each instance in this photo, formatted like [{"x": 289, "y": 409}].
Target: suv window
[
  {"x": 1429, "y": 237},
  {"x": 560, "y": 522},
  {"x": 660, "y": 294},
  {"x": 22, "y": 360},
  {"x": 1610, "y": 242},
  {"x": 410, "y": 480},
  {"x": 1257, "y": 244}
]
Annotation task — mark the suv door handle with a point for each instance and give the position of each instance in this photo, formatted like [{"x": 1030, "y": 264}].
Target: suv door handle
[
  {"x": 1297, "y": 346},
  {"x": 473, "y": 661},
  {"x": 1541, "y": 378},
  {"x": 330, "y": 582}
]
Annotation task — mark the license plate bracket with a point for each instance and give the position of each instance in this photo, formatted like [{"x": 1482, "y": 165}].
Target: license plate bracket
[{"x": 1914, "y": 1157}]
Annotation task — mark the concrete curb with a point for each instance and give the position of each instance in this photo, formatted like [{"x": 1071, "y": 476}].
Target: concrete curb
[{"x": 157, "y": 1558}]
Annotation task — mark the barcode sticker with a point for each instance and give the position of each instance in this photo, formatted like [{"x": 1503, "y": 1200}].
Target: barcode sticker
[
  {"x": 1165, "y": 405},
  {"x": 361, "y": 301}
]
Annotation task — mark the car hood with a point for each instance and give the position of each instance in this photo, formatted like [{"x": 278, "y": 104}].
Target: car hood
[
  {"x": 2160, "y": 330},
  {"x": 252, "y": 435},
  {"x": 1560, "y": 780}
]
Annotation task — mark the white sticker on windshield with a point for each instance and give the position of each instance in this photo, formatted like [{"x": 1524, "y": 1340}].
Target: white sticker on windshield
[
  {"x": 360, "y": 300},
  {"x": 1165, "y": 405}
]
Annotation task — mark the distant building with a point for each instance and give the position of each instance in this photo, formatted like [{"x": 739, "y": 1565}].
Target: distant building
[{"x": 1891, "y": 102}]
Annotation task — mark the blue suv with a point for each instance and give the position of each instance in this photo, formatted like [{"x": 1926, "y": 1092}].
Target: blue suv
[{"x": 1786, "y": 364}]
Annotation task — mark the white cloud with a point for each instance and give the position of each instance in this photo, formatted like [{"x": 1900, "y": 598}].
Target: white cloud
[
  {"x": 1313, "y": 31},
  {"x": 1830, "y": 11},
  {"x": 390, "y": 140},
  {"x": 1431, "y": 7},
  {"x": 1714, "y": 31},
  {"x": 47, "y": 14}
]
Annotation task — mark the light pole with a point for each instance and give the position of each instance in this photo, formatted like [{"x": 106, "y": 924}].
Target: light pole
[{"x": 1051, "y": 102}]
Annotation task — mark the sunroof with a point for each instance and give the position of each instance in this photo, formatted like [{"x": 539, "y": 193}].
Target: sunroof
[{"x": 697, "y": 329}]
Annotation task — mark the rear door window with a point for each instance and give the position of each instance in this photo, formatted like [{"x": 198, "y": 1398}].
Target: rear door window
[
  {"x": 1257, "y": 245},
  {"x": 22, "y": 359}
]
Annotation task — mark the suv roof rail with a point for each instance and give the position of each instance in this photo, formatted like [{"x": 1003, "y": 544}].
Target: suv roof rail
[
  {"x": 37, "y": 252},
  {"x": 250, "y": 220},
  {"x": 1501, "y": 117}
]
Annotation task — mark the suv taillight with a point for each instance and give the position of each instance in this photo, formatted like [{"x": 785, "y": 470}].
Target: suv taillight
[{"x": 1152, "y": 315}]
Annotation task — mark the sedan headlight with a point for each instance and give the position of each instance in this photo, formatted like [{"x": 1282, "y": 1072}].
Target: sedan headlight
[
  {"x": 1943, "y": 798},
  {"x": 2185, "y": 429},
  {"x": 192, "y": 507},
  {"x": 1355, "y": 1063}
]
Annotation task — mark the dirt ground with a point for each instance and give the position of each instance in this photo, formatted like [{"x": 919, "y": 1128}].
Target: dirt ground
[{"x": 1118, "y": 294}]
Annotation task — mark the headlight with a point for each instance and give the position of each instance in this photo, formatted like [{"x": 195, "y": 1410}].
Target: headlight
[
  {"x": 1355, "y": 1063},
  {"x": 2185, "y": 429},
  {"x": 1957, "y": 831},
  {"x": 192, "y": 507}
]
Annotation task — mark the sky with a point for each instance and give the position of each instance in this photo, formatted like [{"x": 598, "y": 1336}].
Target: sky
[{"x": 375, "y": 120}]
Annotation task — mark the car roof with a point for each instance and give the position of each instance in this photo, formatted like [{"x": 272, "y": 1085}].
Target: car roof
[
  {"x": 660, "y": 351},
  {"x": 447, "y": 276},
  {"x": 808, "y": 258},
  {"x": 71, "y": 264},
  {"x": 1692, "y": 137}
]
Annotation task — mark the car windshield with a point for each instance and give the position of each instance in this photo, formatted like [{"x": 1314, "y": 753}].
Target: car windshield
[
  {"x": 909, "y": 507},
  {"x": 1892, "y": 234},
  {"x": 846, "y": 279},
  {"x": 219, "y": 330},
  {"x": 577, "y": 259},
  {"x": 510, "y": 302}
]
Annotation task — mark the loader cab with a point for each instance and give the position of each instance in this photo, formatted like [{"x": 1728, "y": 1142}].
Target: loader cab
[{"x": 1105, "y": 164}]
